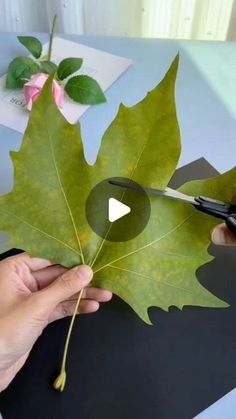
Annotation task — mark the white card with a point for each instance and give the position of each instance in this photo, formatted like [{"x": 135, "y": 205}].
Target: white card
[
  {"x": 105, "y": 68},
  {"x": 225, "y": 408}
]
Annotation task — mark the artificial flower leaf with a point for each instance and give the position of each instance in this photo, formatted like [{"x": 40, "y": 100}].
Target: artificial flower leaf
[
  {"x": 45, "y": 212},
  {"x": 48, "y": 67},
  {"x": 32, "y": 44},
  {"x": 19, "y": 72},
  {"x": 68, "y": 66},
  {"x": 85, "y": 90}
]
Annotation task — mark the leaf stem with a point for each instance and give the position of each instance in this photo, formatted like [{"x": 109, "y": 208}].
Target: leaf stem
[
  {"x": 60, "y": 381},
  {"x": 51, "y": 37}
]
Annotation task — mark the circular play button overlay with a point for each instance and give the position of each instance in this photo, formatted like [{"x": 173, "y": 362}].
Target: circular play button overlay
[{"x": 118, "y": 209}]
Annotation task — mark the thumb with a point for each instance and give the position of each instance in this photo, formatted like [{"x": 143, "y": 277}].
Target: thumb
[
  {"x": 66, "y": 285},
  {"x": 223, "y": 236}
]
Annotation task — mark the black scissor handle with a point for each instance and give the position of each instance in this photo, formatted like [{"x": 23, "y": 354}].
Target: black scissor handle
[
  {"x": 212, "y": 207},
  {"x": 218, "y": 209},
  {"x": 231, "y": 223}
]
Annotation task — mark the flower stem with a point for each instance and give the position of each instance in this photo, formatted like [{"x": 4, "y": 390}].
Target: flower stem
[
  {"x": 60, "y": 381},
  {"x": 51, "y": 37}
]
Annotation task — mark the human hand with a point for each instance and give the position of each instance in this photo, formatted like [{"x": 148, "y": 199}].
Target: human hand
[
  {"x": 34, "y": 293},
  {"x": 223, "y": 236}
]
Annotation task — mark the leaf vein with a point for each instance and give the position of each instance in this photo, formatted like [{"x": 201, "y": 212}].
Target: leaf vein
[
  {"x": 149, "y": 244},
  {"x": 131, "y": 176},
  {"x": 150, "y": 278},
  {"x": 64, "y": 195},
  {"x": 42, "y": 232}
]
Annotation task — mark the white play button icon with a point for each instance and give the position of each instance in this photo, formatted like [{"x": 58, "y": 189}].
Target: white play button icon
[
  {"x": 116, "y": 210},
  {"x": 126, "y": 211}
]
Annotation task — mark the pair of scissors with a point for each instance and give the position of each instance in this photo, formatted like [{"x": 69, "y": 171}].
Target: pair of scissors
[{"x": 218, "y": 209}]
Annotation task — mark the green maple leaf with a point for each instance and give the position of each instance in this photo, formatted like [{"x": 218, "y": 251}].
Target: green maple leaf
[{"x": 45, "y": 212}]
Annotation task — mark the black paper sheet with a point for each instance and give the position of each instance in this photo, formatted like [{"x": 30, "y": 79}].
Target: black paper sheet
[{"x": 120, "y": 368}]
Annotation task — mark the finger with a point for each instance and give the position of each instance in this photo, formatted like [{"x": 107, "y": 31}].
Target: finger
[
  {"x": 93, "y": 293},
  {"x": 32, "y": 263},
  {"x": 66, "y": 285},
  {"x": 67, "y": 308},
  {"x": 47, "y": 275},
  {"x": 37, "y": 263},
  {"x": 221, "y": 235}
]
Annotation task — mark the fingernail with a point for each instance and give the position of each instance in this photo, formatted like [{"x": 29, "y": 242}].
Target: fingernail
[
  {"x": 218, "y": 236},
  {"x": 85, "y": 272}
]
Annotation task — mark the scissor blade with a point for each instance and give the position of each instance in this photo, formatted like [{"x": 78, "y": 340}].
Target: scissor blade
[
  {"x": 168, "y": 192},
  {"x": 173, "y": 194}
]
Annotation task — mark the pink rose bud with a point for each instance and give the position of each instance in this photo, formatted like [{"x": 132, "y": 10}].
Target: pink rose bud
[{"x": 33, "y": 87}]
